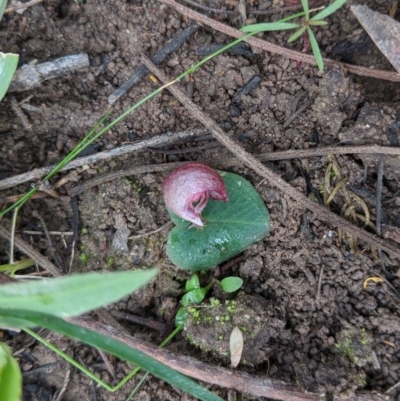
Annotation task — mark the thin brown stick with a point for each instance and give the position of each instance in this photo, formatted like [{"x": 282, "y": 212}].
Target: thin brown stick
[
  {"x": 224, "y": 162},
  {"x": 157, "y": 230},
  {"x": 50, "y": 246},
  {"x": 107, "y": 362},
  {"x": 29, "y": 232},
  {"x": 273, "y": 179},
  {"x": 38, "y": 173},
  {"x": 31, "y": 252},
  {"x": 321, "y": 274},
  {"x": 280, "y": 155},
  {"x": 59, "y": 396},
  {"x": 18, "y": 111},
  {"x": 379, "y": 184},
  {"x": 269, "y": 47},
  {"x": 240, "y": 381},
  {"x": 101, "y": 179}
]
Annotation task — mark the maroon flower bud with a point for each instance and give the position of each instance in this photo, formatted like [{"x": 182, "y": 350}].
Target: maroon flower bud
[{"x": 187, "y": 189}]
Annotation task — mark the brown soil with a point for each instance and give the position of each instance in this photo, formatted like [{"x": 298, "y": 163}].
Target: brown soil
[{"x": 315, "y": 324}]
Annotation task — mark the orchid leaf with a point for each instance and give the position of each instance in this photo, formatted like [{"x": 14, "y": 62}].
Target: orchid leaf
[{"x": 230, "y": 227}]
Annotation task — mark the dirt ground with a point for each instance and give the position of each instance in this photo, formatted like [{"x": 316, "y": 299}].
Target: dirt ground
[{"x": 315, "y": 323}]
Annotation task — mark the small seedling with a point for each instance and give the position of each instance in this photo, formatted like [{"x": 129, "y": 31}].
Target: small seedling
[
  {"x": 195, "y": 294},
  {"x": 303, "y": 27}
]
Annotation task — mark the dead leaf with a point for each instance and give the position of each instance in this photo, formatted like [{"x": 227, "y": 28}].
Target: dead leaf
[
  {"x": 383, "y": 30},
  {"x": 373, "y": 279},
  {"x": 236, "y": 346}
]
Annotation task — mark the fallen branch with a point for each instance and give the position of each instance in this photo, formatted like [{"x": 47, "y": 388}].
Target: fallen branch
[
  {"x": 31, "y": 76},
  {"x": 38, "y": 173}
]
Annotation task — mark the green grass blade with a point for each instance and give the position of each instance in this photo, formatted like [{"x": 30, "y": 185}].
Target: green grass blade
[
  {"x": 316, "y": 50},
  {"x": 317, "y": 23},
  {"x": 269, "y": 26},
  {"x": 114, "y": 347},
  {"x": 304, "y": 3},
  {"x": 293, "y": 16},
  {"x": 3, "y": 4},
  {"x": 329, "y": 10},
  {"x": 8, "y": 65},
  {"x": 13, "y": 267},
  {"x": 73, "y": 295},
  {"x": 297, "y": 34}
]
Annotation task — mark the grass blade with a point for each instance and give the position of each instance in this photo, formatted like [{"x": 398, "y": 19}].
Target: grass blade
[
  {"x": 329, "y": 10},
  {"x": 304, "y": 3},
  {"x": 3, "y": 4},
  {"x": 317, "y": 23},
  {"x": 269, "y": 26},
  {"x": 316, "y": 50},
  {"x": 73, "y": 295},
  {"x": 114, "y": 347},
  {"x": 297, "y": 34}
]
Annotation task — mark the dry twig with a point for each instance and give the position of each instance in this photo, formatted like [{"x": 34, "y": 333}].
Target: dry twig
[{"x": 169, "y": 138}]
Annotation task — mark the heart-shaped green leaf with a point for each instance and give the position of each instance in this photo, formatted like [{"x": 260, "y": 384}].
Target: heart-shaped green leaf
[{"x": 230, "y": 227}]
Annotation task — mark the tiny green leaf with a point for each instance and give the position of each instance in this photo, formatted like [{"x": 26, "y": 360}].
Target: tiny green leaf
[
  {"x": 329, "y": 10},
  {"x": 317, "y": 23},
  {"x": 8, "y": 65},
  {"x": 231, "y": 284},
  {"x": 194, "y": 297},
  {"x": 315, "y": 49},
  {"x": 10, "y": 375},
  {"x": 181, "y": 316},
  {"x": 297, "y": 34},
  {"x": 73, "y": 295},
  {"x": 193, "y": 283},
  {"x": 269, "y": 26},
  {"x": 304, "y": 3}
]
